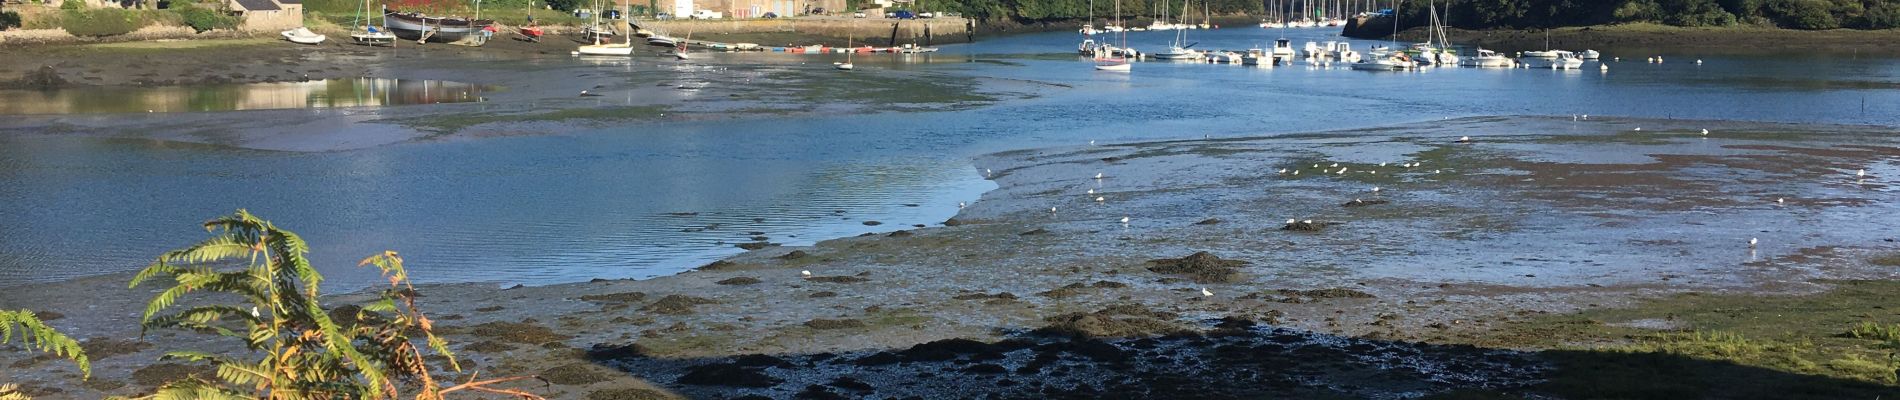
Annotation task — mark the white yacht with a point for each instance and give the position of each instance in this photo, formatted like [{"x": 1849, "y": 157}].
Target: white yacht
[
  {"x": 1560, "y": 60},
  {"x": 1487, "y": 59}
]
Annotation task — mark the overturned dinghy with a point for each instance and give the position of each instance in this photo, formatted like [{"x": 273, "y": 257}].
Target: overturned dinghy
[{"x": 303, "y": 35}]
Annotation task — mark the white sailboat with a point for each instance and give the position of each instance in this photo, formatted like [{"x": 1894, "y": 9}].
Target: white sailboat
[
  {"x": 605, "y": 49},
  {"x": 1180, "y": 49},
  {"x": 370, "y": 36},
  {"x": 1117, "y": 60},
  {"x": 846, "y": 65},
  {"x": 1546, "y": 52}
]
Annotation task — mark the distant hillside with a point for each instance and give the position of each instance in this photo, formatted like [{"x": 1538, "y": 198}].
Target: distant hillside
[{"x": 1520, "y": 14}]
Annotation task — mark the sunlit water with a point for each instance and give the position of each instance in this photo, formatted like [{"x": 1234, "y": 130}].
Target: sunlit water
[
  {"x": 327, "y": 93},
  {"x": 562, "y": 208}
]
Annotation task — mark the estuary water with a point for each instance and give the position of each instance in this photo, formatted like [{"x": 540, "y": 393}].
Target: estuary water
[{"x": 653, "y": 199}]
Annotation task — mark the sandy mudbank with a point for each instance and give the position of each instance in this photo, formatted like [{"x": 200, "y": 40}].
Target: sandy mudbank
[{"x": 1463, "y": 243}]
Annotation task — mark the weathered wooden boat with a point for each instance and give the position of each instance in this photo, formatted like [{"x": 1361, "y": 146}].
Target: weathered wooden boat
[{"x": 422, "y": 28}]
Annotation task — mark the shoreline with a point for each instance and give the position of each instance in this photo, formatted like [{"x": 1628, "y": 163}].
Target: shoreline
[
  {"x": 1672, "y": 39},
  {"x": 1410, "y": 275}
]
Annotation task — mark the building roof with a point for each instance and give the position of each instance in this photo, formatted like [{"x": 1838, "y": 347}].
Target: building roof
[
  {"x": 258, "y": 5},
  {"x": 289, "y": 1}
]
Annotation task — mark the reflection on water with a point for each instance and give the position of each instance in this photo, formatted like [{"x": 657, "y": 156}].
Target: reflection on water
[{"x": 358, "y": 92}]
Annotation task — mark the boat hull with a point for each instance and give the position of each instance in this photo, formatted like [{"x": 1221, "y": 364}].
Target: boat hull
[
  {"x": 617, "y": 49},
  {"x": 438, "y": 30}
]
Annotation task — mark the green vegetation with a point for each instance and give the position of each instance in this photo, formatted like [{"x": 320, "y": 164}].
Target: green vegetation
[
  {"x": 36, "y": 336},
  {"x": 109, "y": 21},
  {"x": 1875, "y": 331},
  {"x": 370, "y": 353},
  {"x": 1890, "y": 260},
  {"x": 9, "y": 20},
  {"x": 1793, "y": 14},
  {"x": 1722, "y": 346},
  {"x": 204, "y": 19}
]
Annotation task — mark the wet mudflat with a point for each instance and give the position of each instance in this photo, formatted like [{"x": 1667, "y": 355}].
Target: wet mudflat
[{"x": 1493, "y": 265}]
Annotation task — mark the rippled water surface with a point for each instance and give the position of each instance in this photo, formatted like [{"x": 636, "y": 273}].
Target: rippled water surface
[
  {"x": 326, "y": 93},
  {"x": 620, "y": 201}
]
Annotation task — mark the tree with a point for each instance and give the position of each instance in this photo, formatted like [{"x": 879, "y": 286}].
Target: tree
[{"x": 305, "y": 353}]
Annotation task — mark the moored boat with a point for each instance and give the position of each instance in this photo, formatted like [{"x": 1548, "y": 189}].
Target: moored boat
[
  {"x": 303, "y": 35},
  {"x": 423, "y": 28}
]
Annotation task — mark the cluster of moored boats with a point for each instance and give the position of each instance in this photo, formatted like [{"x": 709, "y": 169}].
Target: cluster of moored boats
[{"x": 1340, "y": 53}]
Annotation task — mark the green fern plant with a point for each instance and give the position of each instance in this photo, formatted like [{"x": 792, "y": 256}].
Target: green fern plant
[
  {"x": 35, "y": 335},
  {"x": 305, "y": 354}
]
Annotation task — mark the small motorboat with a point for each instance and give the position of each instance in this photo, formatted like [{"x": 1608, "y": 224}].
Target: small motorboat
[
  {"x": 1116, "y": 64},
  {"x": 303, "y": 35},
  {"x": 662, "y": 41},
  {"x": 844, "y": 66},
  {"x": 1487, "y": 59},
  {"x": 531, "y": 33},
  {"x": 1588, "y": 54}
]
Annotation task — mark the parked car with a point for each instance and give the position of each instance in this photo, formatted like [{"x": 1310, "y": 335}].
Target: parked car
[
  {"x": 663, "y": 16},
  {"x": 857, "y": 15},
  {"x": 926, "y": 15},
  {"x": 769, "y": 15},
  {"x": 817, "y": 11},
  {"x": 901, "y": 14}
]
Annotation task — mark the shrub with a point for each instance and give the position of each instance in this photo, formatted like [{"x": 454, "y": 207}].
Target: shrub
[
  {"x": 9, "y": 20},
  {"x": 1802, "y": 14},
  {"x": 1882, "y": 16},
  {"x": 202, "y": 19},
  {"x": 72, "y": 5},
  {"x": 99, "y": 22},
  {"x": 365, "y": 352},
  {"x": 564, "y": 5}
]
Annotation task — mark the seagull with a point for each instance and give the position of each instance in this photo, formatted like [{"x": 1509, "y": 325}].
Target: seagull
[
  {"x": 987, "y": 172},
  {"x": 1586, "y": 117},
  {"x": 1098, "y": 175},
  {"x": 1464, "y": 139},
  {"x": 1780, "y": 201},
  {"x": 1296, "y": 172},
  {"x": 1091, "y": 191},
  {"x": 1283, "y": 170},
  {"x": 806, "y": 274},
  {"x": 1052, "y": 210},
  {"x": 1091, "y": 143},
  {"x": 1375, "y": 189},
  {"x": 1205, "y": 293},
  {"x": 1315, "y": 165},
  {"x": 1099, "y": 199},
  {"x": 1860, "y": 174},
  {"x": 1751, "y": 243},
  {"x": 1705, "y": 132},
  {"x": 254, "y": 313},
  {"x": 1698, "y": 61},
  {"x": 1335, "y": 164},
  {"x": 1308, "y": 222},
  {"x": 1603, "y": 67},
  {"x": 1124, "y": 220},
  {"x": 1290, "y": 221},
  {"x": 1373, "y": 172},
  {"x": 1381, "y": 164},
  {"x": 1342, "y": 171},
  {"x": 1617, "y": 59},
  {"x": 960, "y": 205}
]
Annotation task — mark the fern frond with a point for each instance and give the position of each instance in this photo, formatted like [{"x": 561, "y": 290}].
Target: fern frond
[{"x": 36, "y": 335}]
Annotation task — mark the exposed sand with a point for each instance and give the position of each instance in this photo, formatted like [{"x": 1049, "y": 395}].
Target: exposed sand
[{"x": 1535, "y": 215}]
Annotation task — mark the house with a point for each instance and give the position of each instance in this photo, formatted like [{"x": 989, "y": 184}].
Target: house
[{"x": 267, "y": 15}]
